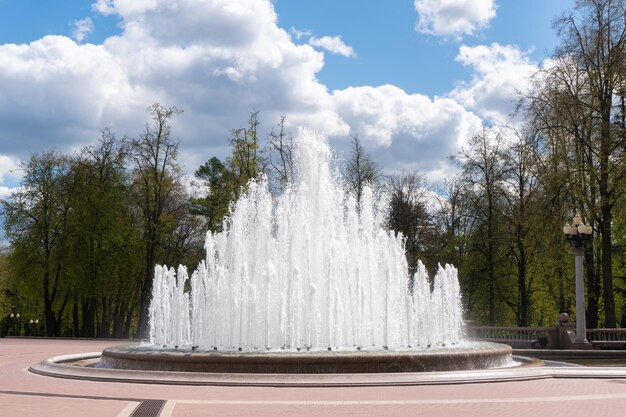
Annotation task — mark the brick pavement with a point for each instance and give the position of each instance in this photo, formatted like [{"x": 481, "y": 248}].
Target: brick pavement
[{"x": 24, "y": 394}]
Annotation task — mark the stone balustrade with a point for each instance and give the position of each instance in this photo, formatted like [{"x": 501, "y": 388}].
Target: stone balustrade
[
  {"x": 556, "y": 337},
  {"x": 516, "y": 337}
]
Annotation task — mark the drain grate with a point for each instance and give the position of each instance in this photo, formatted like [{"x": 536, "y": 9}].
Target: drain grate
[{"x": 148, "y": 408}]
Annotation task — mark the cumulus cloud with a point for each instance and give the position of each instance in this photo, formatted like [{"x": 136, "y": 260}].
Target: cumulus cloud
[
  {"x": 453, "y": 18},
  {"x": 81, "y": 28},
  {"x": 218, "y": 60},
  {"x": 333, "y": 44},
  {"x": 500, "y": 73},
  {"x": 58, "y": 93},
  {"x": 9, "y": 174},
  {"x": 300, "y": 33},
  {"x": 416, "y": 131}
]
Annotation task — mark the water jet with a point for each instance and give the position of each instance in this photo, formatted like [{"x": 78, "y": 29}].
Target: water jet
[{"x": 315, "y": 277}]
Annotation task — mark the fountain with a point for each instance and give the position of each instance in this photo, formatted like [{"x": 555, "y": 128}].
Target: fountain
[{"x": 308, "y": 282}]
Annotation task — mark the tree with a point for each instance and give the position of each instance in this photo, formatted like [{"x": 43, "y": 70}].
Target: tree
[
  {"x": 5, "y": 276},
  {"x": 596, "y": 41},
  {"x": 409, "y": 216},
  {"x": 35, "y": 223},
  {"x": 281, "y": 153},
  {"x": 155, "y": 179},
  {"x": 217, "y": 183},
  {"x": 521, "y": 187},
  {"x": 579, "y": 100},
  {"x": 361, "y": 170},
  {"x": 100, "y": 235},
  {"x": 222, "y": 183},
  {"x": 452, "y": 219},
  {"x": 248, "y": 160},
  {"x": 483, "y": 176}
]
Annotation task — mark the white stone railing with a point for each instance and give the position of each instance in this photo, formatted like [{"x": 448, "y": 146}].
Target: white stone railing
[
  {"x": 539, "y": 337},
  {"x": 607, "y": 338},
  {"x": 514, "y": 336}
]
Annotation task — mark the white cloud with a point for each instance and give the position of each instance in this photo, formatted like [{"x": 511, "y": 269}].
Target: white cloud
[
  {"x": 9, "y": 175},
  {"x": 500, "y": 73},
  {"x": 5, "y": 192},
  {"x": 57, "y": 93},
  {"x": 218, "y": 60},
  {"x": 8, "y": 168},
  {"x": 453, "y": 18},
  {"x": 300, "y": 33},
  {"x": 81, "y": 28},
  {"x": 333, "y": 44},
  {"x": 418, "y": 132},
  {"x": 105, "y": 7}
]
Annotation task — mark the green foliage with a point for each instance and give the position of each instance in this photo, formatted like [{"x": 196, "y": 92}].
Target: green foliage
[
  {"x": 576, "y": 109},
  {"x": 221, "y": 183},
  {"x": 86, "y": 229},
  {"x": 408, "y": 215},
  {"x": 217, "y": 182},
  {"x": 81, "y": 228},
  {"x": 248, "y": 159},
  {"x": 36, "y": 222},
  {"x": 5, "y": 275}
]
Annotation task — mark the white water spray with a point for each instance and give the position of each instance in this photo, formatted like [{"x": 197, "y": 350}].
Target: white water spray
[{"x": 306, "y": 271}]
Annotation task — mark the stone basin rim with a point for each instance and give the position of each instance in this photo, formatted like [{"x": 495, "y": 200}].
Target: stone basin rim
[
  {"x": 473, "y": 356},
  {"x": 65, "y": 367}
]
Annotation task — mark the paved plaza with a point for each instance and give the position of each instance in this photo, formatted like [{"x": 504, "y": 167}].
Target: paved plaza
[{"x": 24, "y": 394}]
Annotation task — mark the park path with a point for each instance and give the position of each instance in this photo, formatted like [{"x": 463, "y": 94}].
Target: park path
[{"x": 24, "y": 394}]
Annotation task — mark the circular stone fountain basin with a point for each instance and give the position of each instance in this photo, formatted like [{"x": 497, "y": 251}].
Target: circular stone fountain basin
[{"x": 466, "y": 356}]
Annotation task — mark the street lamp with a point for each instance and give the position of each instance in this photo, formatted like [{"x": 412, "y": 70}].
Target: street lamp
[
  {"x": 13, "y": 323},
  {"x": 578, "y": 233},
  {"x": 10, "y": 324},
  {"x": 18, "y": 320}
]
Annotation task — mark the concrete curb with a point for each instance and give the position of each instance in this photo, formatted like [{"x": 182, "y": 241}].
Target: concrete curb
[
  {"x": 563, "y": 354},
  {"x": 60, "y": 367}
]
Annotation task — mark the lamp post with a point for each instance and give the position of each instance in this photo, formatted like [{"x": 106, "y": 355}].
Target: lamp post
[
  {"x": 19, "y": 324},
  {"x": 11, "y": 326},
  {"x": 578, "y": 233}
]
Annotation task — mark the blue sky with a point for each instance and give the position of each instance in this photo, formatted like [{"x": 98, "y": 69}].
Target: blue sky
[
  {"x": 412, "y": 78},
  {"x": 391, "y": 51},
  {"x": 381, "y": 31}
]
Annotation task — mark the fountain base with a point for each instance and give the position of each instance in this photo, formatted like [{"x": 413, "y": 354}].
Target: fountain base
[{"x": 475, "y": 355}]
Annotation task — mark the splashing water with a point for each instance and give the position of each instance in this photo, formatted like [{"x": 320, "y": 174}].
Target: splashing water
[{"x": 308, "y": 270}]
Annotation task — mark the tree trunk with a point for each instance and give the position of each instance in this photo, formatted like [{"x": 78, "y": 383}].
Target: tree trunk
[
  {"x": 606, "y": 211},
  {"x": 491, "y": 288},
  {"x": 104, "y": 325},
  {"x": 607, "y": 269},
  {"x": 592, "y": 291},
  {"x": 51, "y": 321},
  {"x": 524, "y": 299},
  {"x": 146, "y": 294},
  {"x": 75, "y": 317},
  {"x": 88, "y": 307},
  {"x": 128, "y": 322}
]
